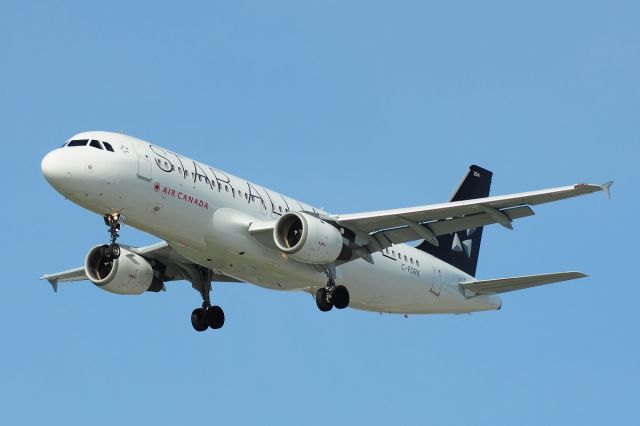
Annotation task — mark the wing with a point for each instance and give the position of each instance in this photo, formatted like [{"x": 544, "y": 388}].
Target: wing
[
  {"x": 380, "y": 229},
  {"x": 173, "y": 267},
  {"x": 503, "y": 285}
]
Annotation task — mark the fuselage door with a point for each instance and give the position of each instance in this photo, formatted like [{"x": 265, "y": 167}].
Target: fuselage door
[{"x": 144, "y": 162}]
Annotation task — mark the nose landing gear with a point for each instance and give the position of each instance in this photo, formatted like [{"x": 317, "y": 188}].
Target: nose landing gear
[{"x": 112, "y": 220}]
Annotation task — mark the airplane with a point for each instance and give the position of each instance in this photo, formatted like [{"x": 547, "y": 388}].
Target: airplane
[{"x": 217, "y": 227}]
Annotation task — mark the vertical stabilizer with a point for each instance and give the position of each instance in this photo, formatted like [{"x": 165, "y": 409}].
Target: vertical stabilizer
[{"x": 461, "y": 249}]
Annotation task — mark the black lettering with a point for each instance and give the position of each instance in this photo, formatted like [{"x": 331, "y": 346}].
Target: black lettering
[
  {"x": 185, "y": 173},
  {"x": 166, "y": 165},
  {"x": 273, "y": 205},
  {"x": 285, "y": 203},
  {"x": 263, "y": 201},
  {"x": 253, "y": 193},
  {"x": 221, "y": 179},
  {"x": 199, "y": 172}
]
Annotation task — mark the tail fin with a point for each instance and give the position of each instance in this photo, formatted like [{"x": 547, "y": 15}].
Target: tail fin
[{"x": 461, "y": 249}]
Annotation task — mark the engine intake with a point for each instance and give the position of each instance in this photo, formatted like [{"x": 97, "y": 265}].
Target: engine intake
[
  {"x": 307, "y": 239},
  {"x": 129, "y": 274}
]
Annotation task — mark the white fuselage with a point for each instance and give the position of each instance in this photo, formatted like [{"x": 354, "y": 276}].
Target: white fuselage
[{"x": 204, "y": 214}]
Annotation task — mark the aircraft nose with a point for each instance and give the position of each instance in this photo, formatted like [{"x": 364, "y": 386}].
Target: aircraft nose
[{"x": 54, "y": 167}]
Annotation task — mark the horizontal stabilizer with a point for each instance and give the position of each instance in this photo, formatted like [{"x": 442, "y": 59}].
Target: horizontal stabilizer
[
  {"x": 71, "y": 275},
  {"x": 503, "y": 285}
]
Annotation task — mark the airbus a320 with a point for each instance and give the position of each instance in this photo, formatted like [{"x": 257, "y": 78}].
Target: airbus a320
[{"x": 216, "y": 227}]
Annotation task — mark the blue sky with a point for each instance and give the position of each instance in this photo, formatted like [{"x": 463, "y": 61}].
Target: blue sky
[{"x": 351, "y": 106}]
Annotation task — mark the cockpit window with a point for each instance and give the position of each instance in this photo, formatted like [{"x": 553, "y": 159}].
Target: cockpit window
[
  {"x": 94, "y": 143},
  {"x": 79, "y": 142},
  {"x": 108, "y": 146}
]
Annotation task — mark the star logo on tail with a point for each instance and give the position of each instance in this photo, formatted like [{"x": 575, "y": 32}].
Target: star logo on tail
[{"x": 465, "y": 245}]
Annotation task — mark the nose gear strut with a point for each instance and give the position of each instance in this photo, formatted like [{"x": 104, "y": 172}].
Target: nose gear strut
[{"x": 113, "y": 221}]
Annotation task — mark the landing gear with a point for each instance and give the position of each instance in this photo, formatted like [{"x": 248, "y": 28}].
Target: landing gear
[
  {"x": 340, "y": 297},
  {"x": 112, "y": 220},
  {"x": 198, "y": 321},
  {"x": 215, "y": 317},
  {"x": 207, "y": 316},
  {"x": 332, "y": 295},
  {"x": 322, "y": 300}
]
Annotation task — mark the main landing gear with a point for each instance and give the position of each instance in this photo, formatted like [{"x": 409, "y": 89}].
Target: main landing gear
[
  {"x": 332, "y": 295},
  {"x": 112, "y": 220},
  {"x": 208, "y": 316}
]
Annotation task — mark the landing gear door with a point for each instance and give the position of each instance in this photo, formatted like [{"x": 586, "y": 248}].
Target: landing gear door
[{"x": 144, "y": 162}]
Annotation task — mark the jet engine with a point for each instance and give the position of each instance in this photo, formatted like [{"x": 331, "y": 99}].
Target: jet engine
[
  {"x": 307, "y": 239},
  {"x": 128, "y": 274}
]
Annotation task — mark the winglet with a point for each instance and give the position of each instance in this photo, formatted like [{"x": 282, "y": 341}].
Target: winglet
[
  {"x": 606, "y": 188},
  {"x": 54, "y": 284}
]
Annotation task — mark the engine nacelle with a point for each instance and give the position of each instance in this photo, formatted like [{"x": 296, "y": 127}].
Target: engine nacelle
[
  {"x": 307, "y": 239},
  {"x": 128, "y": 274}
]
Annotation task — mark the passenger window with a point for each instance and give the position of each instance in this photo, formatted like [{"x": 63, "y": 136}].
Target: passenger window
[
  {"x": 79, "y": 142},
  {"x": 417, "y": 262},
  {"x": 226, "y": 188},
  {"x": 405, "y": 258},
  {"x": 399, "y": 256},
  {"x": 393, "y": 253},
  {"x": 180, "y": 170},
  {"x": 94, "y": 143},
  {"x": 411, "y": 260},
  {"x": 280, "y": 208},
  {"x": 246, "y": 195},
  {"x": 108, "y": 146}
]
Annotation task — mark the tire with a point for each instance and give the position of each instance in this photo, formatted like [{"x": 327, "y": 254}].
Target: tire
[
  {"x": 321, "y": 300},
  {"x": 105, "y": 251},
  {"x": 115, "y": 251},
  {"x": 214, "y": 317},
  {"x": 198, "y": 320},
  {"x": 340, "y": 297}
]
